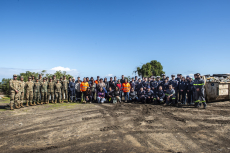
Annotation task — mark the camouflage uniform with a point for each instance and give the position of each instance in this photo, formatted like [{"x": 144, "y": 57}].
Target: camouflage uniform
[
  {"x": 65, "y": 89},
  {"x": 50, "y": 90},
  {"x": 58, "y": 92},
  {"x": 22, "y": 87},
  {"x": 33, "y": 80},
  {"x": 37, "y": 92},
  {"x": 29, "y": 92},
  {"x": 14, "y": 96},
  {"x": 44, "y": 93}
]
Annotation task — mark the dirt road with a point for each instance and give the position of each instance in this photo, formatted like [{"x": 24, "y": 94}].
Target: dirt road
[{"x": 117, "y": 128}]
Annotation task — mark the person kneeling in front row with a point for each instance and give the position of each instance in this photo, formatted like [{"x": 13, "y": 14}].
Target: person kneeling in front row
[{"x": 100, "y": 95}]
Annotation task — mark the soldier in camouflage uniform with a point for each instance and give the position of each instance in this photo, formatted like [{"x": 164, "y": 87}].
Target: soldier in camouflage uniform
[
  {"x": 37, "y": 92},
  {"x": 50, "y": 90},
  {"x": 65, "y": 84},
  {"x": 58, "y": 86},
  {"x": 29, "y": 91},
  {"x": 40, "y": 78},
  {"x": 22, "y": 87},
  {"x": 44, "y": 98},
  {"x": 33, "y": 80},
  {"x": 14, "y": 93}
]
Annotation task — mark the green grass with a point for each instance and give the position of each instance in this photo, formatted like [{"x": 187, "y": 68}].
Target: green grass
[{"x": 5, "y": 100}]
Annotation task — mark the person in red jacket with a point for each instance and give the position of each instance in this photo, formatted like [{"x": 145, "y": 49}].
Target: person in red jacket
[{"x": 126, "y": 88}]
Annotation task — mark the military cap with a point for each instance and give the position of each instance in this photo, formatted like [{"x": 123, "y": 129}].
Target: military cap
[
  {"x": 15, "y": 75},
  {"x": 154, "y": 77},
  {"x": 51, "y": 78},
  {"x": 64, "y": 76},
  {"x": 32, "y": 75},
  {"x": 163, "y": 74},
  {"x": 21, "y": 77},
  {"x": 36, "y": 78},
  {"x": 173, "y": 75},
  {"x": 40, "y": 74},
  {"x": 57, "y": 79},
  {"x": 158, "y": 76},
  {"x": 54, "y": 75},
  {"x": 44, "y": 78},
  {"x": 60, "y": 77},
  {"x": 29, "y": 77},
  {"x": 167, "y": 77}
]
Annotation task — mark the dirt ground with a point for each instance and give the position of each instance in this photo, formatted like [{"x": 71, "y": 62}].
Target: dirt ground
[{"x": 102, "y": 128}]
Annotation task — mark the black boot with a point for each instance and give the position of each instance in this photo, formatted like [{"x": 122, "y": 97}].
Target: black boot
[{"x": 205, "y": 105}]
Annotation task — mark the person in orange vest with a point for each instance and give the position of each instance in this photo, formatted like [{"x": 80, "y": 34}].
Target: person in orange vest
[
  {"x": 126, "y": 88},
  {"x": 83, "y": 87},
  {"x": 98, "y": 80}
]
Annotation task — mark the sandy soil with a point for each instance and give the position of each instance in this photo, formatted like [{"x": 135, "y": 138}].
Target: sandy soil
[{"x": 116, "y": 128}]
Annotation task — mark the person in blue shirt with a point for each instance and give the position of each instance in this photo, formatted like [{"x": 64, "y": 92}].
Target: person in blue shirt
[
  {"x": 71, "y": 88},
  {"x": 149, "y": 94},
  {"x": 182, "y": 90},
  {"x": 159, "y": 96}
]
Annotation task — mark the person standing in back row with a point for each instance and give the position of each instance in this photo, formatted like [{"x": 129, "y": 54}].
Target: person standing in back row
[
  {"x": 72, "y": 90},
  {"x": 64, "y": 92},
  {"x": 126, "y": 89},
  {"x": 83, "y": 87},
  {"x": 122, "y": 80}
]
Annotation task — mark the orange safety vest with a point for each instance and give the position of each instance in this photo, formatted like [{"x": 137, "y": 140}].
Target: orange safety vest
[
  {"x": 83, "y": 86},
  {"x": 96, "y": 82},
  {"x": 126, "y": 87}
]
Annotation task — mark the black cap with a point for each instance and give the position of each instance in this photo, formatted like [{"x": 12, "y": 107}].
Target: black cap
[
  {"x": 173, "y": 75},
  {"x": 197, "y": 73},
  {"x": 163, "y": 74},
  {"x": 98, "y": 76}
]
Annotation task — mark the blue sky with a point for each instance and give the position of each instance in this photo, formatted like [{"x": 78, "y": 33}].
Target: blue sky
[{"x": 113, "y": 37}]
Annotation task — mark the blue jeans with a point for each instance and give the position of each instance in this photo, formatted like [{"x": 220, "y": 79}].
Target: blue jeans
[
  {"x": 126, "y": 94},
  {"x": 100, "y": 99}
]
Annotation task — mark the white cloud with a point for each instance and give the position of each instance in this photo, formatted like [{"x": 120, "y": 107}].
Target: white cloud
[{"x": 60, "y": 68}]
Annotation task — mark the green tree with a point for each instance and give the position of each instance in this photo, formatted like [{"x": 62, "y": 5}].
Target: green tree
[
  {"x": 152, "y": 68},
  {"x": 128, "y": 78}
]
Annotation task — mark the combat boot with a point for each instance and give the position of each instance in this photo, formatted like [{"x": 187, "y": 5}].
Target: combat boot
[
  {"x": 27, "y": 104},
  {"x": 52, "y": 102},
  {"x": 38, "y": 103},
  {"x": 205, "y": 105},
  {"x": 47, "y": 102},
  {"x": 55, "y": 101},
  {"x": 11, "y": 107},
  {"x": 31, "y": 104},
  {"x": 41, "y": 103},
  {"x": 34, "y": 103},
  {"x": 22, "y": 105},
  {"x": 17, "y": 106}
]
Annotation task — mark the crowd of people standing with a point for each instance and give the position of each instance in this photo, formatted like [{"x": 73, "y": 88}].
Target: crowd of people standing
[{"x": 152, "y": 90}]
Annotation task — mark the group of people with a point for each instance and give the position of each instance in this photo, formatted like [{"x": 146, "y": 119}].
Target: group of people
[{"x": 153, "y": 90}]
